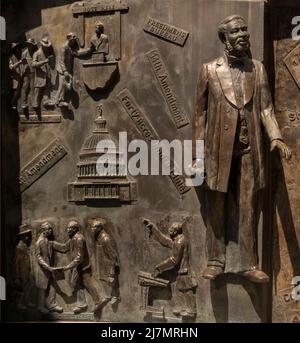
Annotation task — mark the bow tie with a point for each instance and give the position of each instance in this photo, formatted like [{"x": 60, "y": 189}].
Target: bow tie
[{"x": 237, "y": 61}]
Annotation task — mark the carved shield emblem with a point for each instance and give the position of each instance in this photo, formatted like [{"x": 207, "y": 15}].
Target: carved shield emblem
[{"x": 99, "y": 75}]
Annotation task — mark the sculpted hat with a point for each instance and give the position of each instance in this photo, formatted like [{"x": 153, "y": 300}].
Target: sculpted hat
[
  {"x": 45, "y": 42},
  {"x": 31, "y": 41},
  {"x": 71, "y": 35},
  {"x": 45, "y": 226},
  {"x": 14, "y": 45},
  {"x": 24, "y": 229},
  {"x": 99, "y": 222},
  {"x": 99, "y": 23}
]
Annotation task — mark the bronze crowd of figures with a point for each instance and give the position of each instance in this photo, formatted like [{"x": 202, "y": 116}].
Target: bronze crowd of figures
[
  {"x": 233, "y": 107},
  {"x": 30, "y": 68},
  {"x": 36, "y": 267}
]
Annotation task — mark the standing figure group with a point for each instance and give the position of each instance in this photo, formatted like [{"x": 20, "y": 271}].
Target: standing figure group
[
  {"x": 30, "y": 72},
  {"x": 40, "y": 268},
  {"x": 179, "y": 262},
  {"x": 30, "y": 69}
]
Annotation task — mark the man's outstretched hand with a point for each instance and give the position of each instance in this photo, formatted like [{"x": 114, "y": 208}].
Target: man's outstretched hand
[{"x": 282, "y": 147}]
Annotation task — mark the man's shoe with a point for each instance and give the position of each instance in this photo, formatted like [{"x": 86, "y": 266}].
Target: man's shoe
[
  {"x": 176, "y": 311},
  {"x": 187, "y": 314},
  {"x": 99, "y": 306},
  {"x": 80, "y": 309},
  {"x": 256, "y": 275},
  {"x": 114, "y": 300},
  {"x": 48, "y": 103},
  {"x": 62, "y": 104},
  {"x": 43, "y": 310},
  {"x": 212, "y": 272},
  {"x": 56, "y": 309}
]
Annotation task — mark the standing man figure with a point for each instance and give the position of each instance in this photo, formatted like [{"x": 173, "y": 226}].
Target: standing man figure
[
  {"x": 179, "y": 260},
  {"x": 107, "y": 261},
  {"x": 81, "y": 273},
  {"x": 28, "y": 72},
  {"x": 24, "y": 267},
  {"x": 99, "y": 43},
  {"x": 42, "y": 78},
  {"x": 15, "y": 63},
  {"x": 65, "y": 68},
  {"x": 44, "y": 277},
  {"x": 234, "y": 107}
]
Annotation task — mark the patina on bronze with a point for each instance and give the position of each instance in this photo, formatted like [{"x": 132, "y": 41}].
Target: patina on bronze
[
  {"x": 24, "y": 279},
  {"x": 233, "y": 104},
  {"x": 145, "y": 85},
  {"x": 81, "y": 273},
  {"x": 179, "y": 261}
]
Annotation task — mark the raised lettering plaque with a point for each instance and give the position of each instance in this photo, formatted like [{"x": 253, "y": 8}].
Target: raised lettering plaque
[
  {"x": 166, "y": 31},
  {"x": 45, "y": 160}
]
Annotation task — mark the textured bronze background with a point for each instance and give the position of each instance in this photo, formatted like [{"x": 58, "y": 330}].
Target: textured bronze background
[
  {"x": 286, "y": 252},
  {"x": 230, "y": 299}
]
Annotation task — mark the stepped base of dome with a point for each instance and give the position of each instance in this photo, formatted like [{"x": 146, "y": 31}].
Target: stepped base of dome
[{"x": 123, "y": 191}]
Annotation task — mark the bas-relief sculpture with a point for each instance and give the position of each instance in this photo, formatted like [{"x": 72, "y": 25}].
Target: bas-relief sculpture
[
  {"x": 65, "y": 69},
  {"x": 149, "y": 133},
  {"x": 107, "y": 262},
  {"x": 81, "y": 274},
  {"x": 44, "y": 278},
  {"x": 166, "y": 31},
  {"x": 234, "y": 167},
  {"x": 41, "y": 62},
  {"x": 186, "y": 284},
  {"x": 31, "y": 73},
  {"x": 39, "y": 269},
  {"x": 32, "y": 68},
  {"x": 15, "y": 62},
  {"x": 99, "y": 45},
  {"x": 165, "y": 83},
  {"x": 285, "y": 226},
  {"x": 28, "y": 72},
  {"x": 24, "y": 268},
  {"x": 107, "y": 183},
  {"x": 41, "y": 163}
]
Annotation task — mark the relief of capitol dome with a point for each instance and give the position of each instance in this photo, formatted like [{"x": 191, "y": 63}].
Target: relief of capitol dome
[{"x": 106, "y": 180}]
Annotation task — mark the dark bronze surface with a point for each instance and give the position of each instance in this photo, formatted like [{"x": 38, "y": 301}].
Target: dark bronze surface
[{"x": 76, "y": 248}]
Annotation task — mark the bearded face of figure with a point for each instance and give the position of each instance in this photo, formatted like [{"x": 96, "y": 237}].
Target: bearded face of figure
[
  {"x": 73, "y": 42},
  {"x": 237, "y": 37},
  {"x": 96, "y": 229},
  {"x": 72, "y": 229},
  {"x": 173, "y": 231},
  {"x": 99, "y": 30},
  {"x": 49, "y": 232}
]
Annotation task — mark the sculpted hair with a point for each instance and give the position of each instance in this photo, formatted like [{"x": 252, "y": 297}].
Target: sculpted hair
[
  {"x": 75, "y": 224},
  {"x": 177, "y": 227},
  {"x": 99, "y": 222},
  {"x": 223, "y": 25},
  {"x": 45, "y": 226},
  {"x": 100, "y": 24}
]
